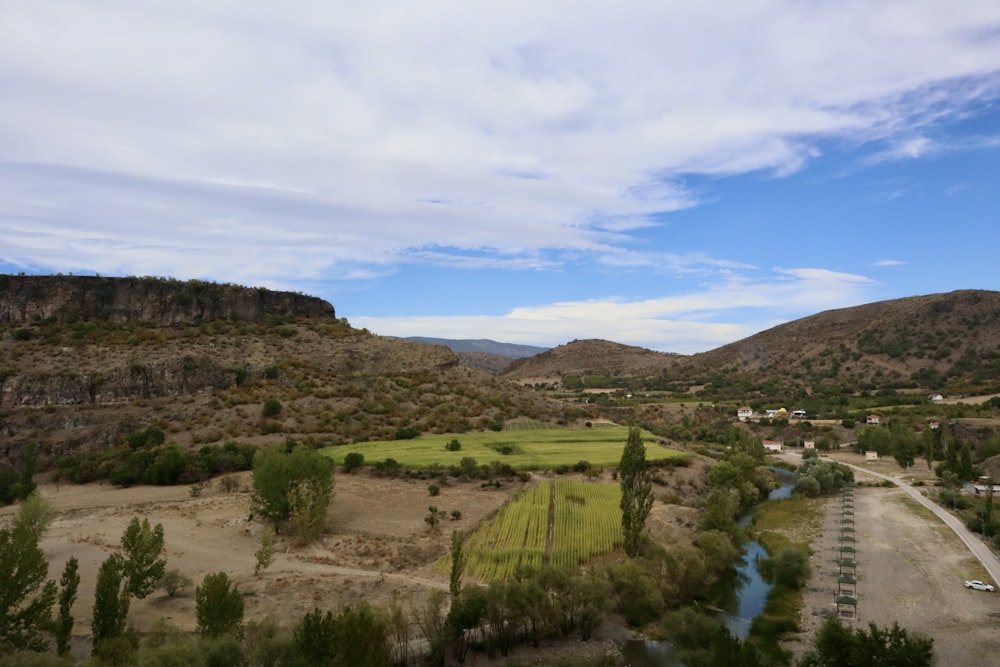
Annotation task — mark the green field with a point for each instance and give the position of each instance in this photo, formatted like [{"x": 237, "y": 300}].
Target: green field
[
  {"x": 525, "y": 449},
  {"x": 586, "y": 522}
]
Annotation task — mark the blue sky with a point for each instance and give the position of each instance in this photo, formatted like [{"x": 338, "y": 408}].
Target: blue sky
[{"x": 672, "y": 175}]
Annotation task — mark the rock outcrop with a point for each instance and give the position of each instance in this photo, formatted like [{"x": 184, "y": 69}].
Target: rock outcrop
[{"x": 28, "y": 299}]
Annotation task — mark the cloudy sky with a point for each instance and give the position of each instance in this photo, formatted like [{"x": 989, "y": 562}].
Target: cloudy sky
[{"x": 676, "y": 175}]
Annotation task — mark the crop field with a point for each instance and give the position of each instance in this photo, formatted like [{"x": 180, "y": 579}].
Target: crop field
[
  {"x": 585, "y": 519},
  {"x": 522, "y": 449}
]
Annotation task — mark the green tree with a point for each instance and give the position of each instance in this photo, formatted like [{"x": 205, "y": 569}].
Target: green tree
[
  {"x": 111, "y": 604},
  {"x": 218, "y": 606},
  {"x": 457, "y": 564},
  {"x": 637, "y": 491},
  {"x": 904, "y": 445},
  {"x": 26, "y": 596},
  {"x": 276, "y": 472},
  {"x": 362, "y": 638},
  {"x": 315, "y": 638},
  {"x": 265, "y": 553},
  {"x": 308, "y": 500},
  {"x": 143, "y": 567},
  {"x": 68, "y": 586},
  {"x": 839, "y": 646}
]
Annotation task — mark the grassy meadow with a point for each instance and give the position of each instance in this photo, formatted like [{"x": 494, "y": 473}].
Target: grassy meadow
[{"x": 522, "y": 449}]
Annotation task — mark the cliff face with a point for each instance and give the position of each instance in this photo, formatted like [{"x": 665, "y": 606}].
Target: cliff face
[{"x": 28, "y": 299}]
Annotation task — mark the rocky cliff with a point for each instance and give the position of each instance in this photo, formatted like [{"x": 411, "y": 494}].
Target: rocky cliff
[{"x": 28, "y": 299}]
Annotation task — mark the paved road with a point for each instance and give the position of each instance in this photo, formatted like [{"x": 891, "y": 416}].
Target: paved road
[{"x": 976, "y": 546}]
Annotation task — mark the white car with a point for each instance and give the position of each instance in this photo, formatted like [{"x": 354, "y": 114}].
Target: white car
[{"x": 978, "y": 585}]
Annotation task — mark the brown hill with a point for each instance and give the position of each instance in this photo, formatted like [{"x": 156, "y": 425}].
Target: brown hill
[
  {"x": 69, "y": 383},
  {"x": 936, "y": 341},
  {"x": 595, "y": 357}
]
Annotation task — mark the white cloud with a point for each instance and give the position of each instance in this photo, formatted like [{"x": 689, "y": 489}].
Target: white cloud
[
  {"x": 684, "y": 323},
  {"x": 334, "y": 139},
  {"x": 889, "y": 262}
]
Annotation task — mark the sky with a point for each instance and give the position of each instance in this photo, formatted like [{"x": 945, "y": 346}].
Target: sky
[{"x": 674, "y": 175}]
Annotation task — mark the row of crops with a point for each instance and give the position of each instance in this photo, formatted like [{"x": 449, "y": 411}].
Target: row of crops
[{"x": 585, "y": 518}]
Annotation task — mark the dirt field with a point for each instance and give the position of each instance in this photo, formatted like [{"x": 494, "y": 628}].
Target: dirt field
[
  {"x": 378, "y": 546},
  {"x": 911, "y": 570}
]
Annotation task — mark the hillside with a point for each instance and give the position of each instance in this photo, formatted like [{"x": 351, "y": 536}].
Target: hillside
[
  {"x": 68, "y": 383},
  {"x": 940, "y": 342},
  {"x": 937, "y": 343},
  {"x": 597, "y": 357}
]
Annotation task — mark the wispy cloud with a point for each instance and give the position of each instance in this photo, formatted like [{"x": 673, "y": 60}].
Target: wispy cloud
[
  {"x": 686, "y": 323},
  {"x": 335, "y": 140},
  {"x": 889, "y": 262}
]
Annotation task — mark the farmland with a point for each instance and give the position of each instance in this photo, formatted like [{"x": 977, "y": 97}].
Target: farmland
[
  {"x": 522, "y": 449},
  {"x": 564, "y": 522}
]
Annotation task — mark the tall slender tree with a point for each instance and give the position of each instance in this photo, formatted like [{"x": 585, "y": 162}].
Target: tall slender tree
[
  {"x": 68, "y": 586},
  {"x": 637, "y": 491}
]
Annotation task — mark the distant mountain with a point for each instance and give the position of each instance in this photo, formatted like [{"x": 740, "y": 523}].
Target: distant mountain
[
  {"x": 483, "y": 345},
  {"x": 595, "y": 356}
]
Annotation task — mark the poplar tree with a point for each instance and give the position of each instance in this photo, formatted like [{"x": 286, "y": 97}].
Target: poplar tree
[{"x": 637, "y": 491}]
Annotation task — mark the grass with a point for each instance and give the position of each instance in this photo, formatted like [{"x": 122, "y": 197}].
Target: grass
[{"x": 522, "y": 449}]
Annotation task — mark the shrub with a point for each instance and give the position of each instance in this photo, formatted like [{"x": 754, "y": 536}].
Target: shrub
[
  {"x": 434, "y": 489},
  {"x": 353, "y": 461},
  {"x": 272, "y": 408}
]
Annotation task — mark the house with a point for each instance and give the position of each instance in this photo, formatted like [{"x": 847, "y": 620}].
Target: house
[
  {"x": 809, "y": 444},
  {"x": 934, "y": 425},
  {"x": 871, "y": 456},
  {"x": 773, "y": 446},
  {"x": 799, "y": 414},
  {"x": 744, "y": 412},
  {"x": 873, "y": 420},
  {"x": 936, "y": 398}
]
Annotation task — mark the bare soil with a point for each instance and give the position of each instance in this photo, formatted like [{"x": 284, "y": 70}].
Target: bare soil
[{"x": 911, "y": 570}]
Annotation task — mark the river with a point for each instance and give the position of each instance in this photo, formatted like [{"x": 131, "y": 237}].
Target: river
[{"x": 742, "y": 602}]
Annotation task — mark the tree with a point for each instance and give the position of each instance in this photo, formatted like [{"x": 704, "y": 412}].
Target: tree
[
  {"x": 173, "y": 582},
  {"x": 361, "y": 636},
  {"x": 307, "y": 502},
  {"x": 143, "y": 567},
  {"x": 277, "y": 472},
  {"x": 111, "y": 602},
  {"x": 26, "y": 596},
  {"x": 457, "y": 564},
  {"x": 218, "y": 606},
  {"x": 265, "y": 554},
  {"x": 637, "y": 491},
  {"x": 315, "y": 638},
  {"x": 837, "y": 646},
  {"x": 68, "y": 586}
]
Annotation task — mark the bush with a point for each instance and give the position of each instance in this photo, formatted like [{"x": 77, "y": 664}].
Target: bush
[
  {"x": 407, "y": 433},
  {"x": 453, "y": 446},
  {"x": 434, "y": 489},
  {"x": 353, "y": 461},
  {"x": 272, "y": 408}
]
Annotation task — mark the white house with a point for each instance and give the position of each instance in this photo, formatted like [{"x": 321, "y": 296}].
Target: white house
[
  {"x": 772, "y": 446},
  {"x": 744, "y": 412},
  {"x": 936, "y": 397},
  {"x": 873, "y": 420},
  {"x": 871, "y": 456},
  {"x": 799, "y": 414},
  {"x": 809, "y": 444}
]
